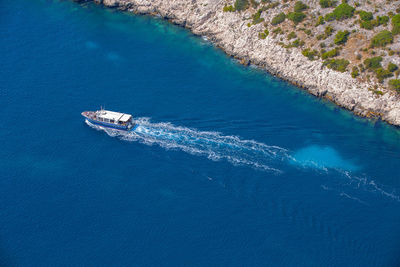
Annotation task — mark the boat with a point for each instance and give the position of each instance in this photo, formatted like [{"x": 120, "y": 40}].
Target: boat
[{"x": 110, "y": 119}]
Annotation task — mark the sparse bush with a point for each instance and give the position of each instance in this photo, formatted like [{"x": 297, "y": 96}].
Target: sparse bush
[
  {"x": 278, "y": 19},
  {"x": 320, "y": 21},
  {"x": 392, "y": 67},
  {"x": 296, "y": 17},
  {"x": 296, "y": 43},
  {"x": 373, "y": 63},
  {"x": 327, "y": 3},
  {"x": 366, "y": 16},
  {"x": 310, "y": 54},
  {"x": 257, "y": 17},
  {"x": 341, "y": 37},
  {"x": 229, "y": 9},
  {"x": 299, "y": 6},
  {"x": 382, "y": 74},
  {"x": 264, "y": 34},
  {"x": 241, "y": 5},
  {"x": 337, "y": 64},
  {"x": 395, "y": 84},
  {"x": 369, "y": 25},
  {"x": 382, "y": 20},
  {"x": 277, "y": 31},
  {"x": 343, "y": 11},
  {"x": 330, "y": 17},
  {"x": 291, "y": 35},
  {"x": 332, "y": 53},
  {"x": 355, "y": 72},
  {"x": 382, "y": 39},
  {"x": 396, "y": 24}
]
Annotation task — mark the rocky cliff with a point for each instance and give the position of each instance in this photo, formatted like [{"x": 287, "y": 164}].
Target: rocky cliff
[{"x": 241, "y": 35}]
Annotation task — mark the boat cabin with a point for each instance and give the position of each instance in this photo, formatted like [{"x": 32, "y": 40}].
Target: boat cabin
[{"x": 113, "y": 117}]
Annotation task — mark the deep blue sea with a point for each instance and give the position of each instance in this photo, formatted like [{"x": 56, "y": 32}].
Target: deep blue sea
[{"x": 229, "y": 166}]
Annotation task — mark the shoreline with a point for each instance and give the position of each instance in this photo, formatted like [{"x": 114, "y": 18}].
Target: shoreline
[{"x": 228, "y": 31}]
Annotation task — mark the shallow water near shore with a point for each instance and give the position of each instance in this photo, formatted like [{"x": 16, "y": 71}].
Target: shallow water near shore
[{"x": 229, "y": 166}]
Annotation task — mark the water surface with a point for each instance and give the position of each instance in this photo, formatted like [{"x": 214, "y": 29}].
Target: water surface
[{"x": 229, "y": 167}]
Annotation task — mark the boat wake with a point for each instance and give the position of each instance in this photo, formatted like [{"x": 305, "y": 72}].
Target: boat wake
[
  {"x": 239, "y": 152},
  {"x": 212, "y": 145}
]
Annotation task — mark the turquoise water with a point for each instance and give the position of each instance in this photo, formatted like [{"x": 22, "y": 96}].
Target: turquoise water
[{"x": 229, "y": 166}]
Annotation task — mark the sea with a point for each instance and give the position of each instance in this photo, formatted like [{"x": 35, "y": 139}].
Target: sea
[{"x": 229, "y": 165}]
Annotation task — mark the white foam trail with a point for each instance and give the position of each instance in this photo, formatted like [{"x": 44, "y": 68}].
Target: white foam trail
[
  {"x": 233, "y": 149},
  {"x": 343, "y": 194},
  {"x": 212, "y": 145}
]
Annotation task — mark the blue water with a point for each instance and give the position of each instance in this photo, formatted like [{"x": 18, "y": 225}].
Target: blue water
[{"x": 229, "y": 166}]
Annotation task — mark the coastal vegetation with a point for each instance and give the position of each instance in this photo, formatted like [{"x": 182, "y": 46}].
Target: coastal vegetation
[
  {"x": 341, "y": 37},
  {"x": 241, "y": 5},
  {"x": 383, "y": 38},
  {"x": 278, "y": 19},
  {"x": 327, "y": 3},
  {"x": 361, "y": 33}
]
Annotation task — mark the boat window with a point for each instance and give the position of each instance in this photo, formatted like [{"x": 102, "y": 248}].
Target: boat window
[{"x": 112, "y": 121}]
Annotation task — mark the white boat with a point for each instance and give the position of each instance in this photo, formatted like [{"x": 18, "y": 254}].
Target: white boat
[{"x": 110, "y": 119}]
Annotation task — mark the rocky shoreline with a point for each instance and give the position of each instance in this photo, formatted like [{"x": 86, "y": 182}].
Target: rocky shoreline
[{"x": 229, "y": 31}]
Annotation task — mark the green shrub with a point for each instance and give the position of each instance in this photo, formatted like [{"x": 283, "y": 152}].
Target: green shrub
[
  {"x": 277, "y": 31},
  {"x": 310, "y": 54},
  {"x": 373, "y": 63},
  {"x": 392, "y": 67},
  {"x": 355, "y": 72},
  {"x": 382, "y": 20},
  {"x": 241, "y": 5},
  {"x": 396, "y": 24},
  {"x": 296, "y": 17},
  {"x": 278, "y": 19},
  {"x": 341, "y": 37},
  {"x": 369, "y": 25},
  {"x": 257, "y": 17},
  {"x": 395, "y": 84},
  {"x": 327, "y": 3},
  {"x": 229, "y": 9},
  {"x": 333, "y": 53},
  {"x": 299, "y": 6},
  {"x": 320, "y": 21},
  {"x": 343, "y": 11},
  {"x": 337, "y": 64},
  {"x": 330, "y": 17},
  {"x": 382, "y": 39},
  {"x": 382, "y": 74},
  {"x": 262, "y": 35},
  {"x": 327, "y": 32},
  {"x": 291, "y": 35},
  {"x": 366, "y": 16},
  {"x": 296, "y": 43}
]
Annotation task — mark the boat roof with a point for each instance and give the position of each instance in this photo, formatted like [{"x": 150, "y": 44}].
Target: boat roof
[{"x": 112, "y": 115}]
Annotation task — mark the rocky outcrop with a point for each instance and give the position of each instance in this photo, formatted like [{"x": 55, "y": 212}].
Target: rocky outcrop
[{"x": 229, "y": 31}]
